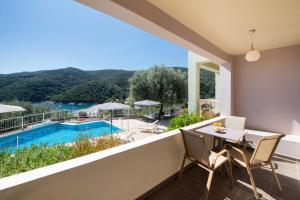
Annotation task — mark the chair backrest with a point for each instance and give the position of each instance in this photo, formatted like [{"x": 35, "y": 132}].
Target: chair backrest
[
  {"x": 265, "y": 149},
  {"x": 195, "y": 147},
  {"x": 234, "y": 122}
]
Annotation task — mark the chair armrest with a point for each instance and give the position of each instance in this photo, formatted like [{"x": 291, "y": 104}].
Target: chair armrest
[
  {"x": 221, "y": 153},
  {"x": 240, "y": 151},
  {"x": 248, "y": 144}
]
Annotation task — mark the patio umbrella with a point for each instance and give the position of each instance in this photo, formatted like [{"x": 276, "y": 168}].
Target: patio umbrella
[
  {"x": 146, "y": 103},
  {"x": 8, "y": 108},
  {"x": 110, "y": 106}
]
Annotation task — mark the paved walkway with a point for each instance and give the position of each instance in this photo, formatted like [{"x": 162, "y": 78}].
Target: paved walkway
[{"x": 136, "y": 129}]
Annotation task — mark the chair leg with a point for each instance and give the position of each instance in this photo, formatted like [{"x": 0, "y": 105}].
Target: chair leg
[
  {"x": 229, "y": 171},
  {"x": 208, "y": 184},
  {"x": 276, "y": 177},
  {"x": 252, "y": 182},
  {"x": 182, "y": 167}
]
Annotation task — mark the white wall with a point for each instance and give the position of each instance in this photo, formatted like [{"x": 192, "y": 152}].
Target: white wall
[
  {"x": 125, "y": 175},
  {"x": 124, "y": 172}
]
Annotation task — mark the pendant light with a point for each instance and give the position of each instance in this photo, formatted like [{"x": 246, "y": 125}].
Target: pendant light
[{"x": 253, "y": 54}]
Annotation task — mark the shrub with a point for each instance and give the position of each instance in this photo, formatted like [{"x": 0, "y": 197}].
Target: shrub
[
  {"x": 84, "y": 145},
  {"x": 33, "y": 157},
  {"x": 186, "y": 119},
  {"x": 37, "y": 156}
]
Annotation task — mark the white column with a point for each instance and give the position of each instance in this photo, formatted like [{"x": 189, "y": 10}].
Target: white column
[
  {"x": 217, "y": 91},
  {"x": 193, "y": 83},
  {"x": 225, "y": 89}
]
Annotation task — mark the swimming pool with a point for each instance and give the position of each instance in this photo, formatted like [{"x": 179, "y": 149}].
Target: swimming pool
[{"x": 59, "y": 133}]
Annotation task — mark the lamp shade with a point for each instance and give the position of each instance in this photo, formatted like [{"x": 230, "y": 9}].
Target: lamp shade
[{"x": 252, "y": 55}]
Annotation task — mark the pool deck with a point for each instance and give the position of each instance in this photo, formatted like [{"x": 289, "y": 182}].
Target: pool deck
[{"x": 136, "y": 129}]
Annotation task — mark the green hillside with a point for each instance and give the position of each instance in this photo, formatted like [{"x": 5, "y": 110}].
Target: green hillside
[
  {"x": 75, "y": 85},
  {"x": 58, "y": 84}
]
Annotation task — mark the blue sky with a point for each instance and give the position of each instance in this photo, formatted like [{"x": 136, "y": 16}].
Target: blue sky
[{"x": 51, "y": 34}]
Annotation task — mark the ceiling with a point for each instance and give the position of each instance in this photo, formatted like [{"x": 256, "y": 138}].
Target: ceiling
[{"x": 225, "y": 23}]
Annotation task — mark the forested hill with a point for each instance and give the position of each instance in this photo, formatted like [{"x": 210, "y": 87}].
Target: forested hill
[
  {"x": 65, "y": 85},
  {"x": 75, "y": 85}
]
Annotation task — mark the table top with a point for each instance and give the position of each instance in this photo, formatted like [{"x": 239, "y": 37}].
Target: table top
[{"x": 230, "y": 134}]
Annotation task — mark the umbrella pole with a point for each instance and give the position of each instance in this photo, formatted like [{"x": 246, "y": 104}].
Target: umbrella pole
[
  {"x": 147, "y": 115},
  {"x": 111, "y": 122},
  {"x": 128, "y": 120}
]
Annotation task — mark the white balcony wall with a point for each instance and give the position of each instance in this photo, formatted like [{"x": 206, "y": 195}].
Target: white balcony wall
[
  {"x": 124, "y": 172},
  {"x": 124, "y": 175}
]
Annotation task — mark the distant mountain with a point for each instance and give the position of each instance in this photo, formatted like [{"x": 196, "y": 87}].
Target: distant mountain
[
  {"x": 75, "y": 85},
  {"x": 65, "y": 85}
]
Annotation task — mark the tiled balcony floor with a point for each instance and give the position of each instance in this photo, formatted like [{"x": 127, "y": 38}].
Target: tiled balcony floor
[{"x": 192, "y": 185}]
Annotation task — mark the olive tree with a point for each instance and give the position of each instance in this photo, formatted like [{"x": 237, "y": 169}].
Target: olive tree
[{"x": 159, "y": 83}]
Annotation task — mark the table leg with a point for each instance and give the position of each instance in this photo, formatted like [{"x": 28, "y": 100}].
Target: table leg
[{"x": 214, "y": 142}]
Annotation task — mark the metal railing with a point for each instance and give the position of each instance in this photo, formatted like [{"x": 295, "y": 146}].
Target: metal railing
[{"x": 11, "y": 124}]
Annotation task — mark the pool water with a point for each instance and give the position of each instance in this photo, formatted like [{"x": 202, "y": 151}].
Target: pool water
[{"x": 59, "y": 133}]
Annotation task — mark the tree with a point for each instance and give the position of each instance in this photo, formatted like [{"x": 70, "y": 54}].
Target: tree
[
  {"x": 51, "y": 84},
  {"x": 159, "y": 83},
  {"x": 207, "y": 84},
  {"x": 92, "y": 91}
]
